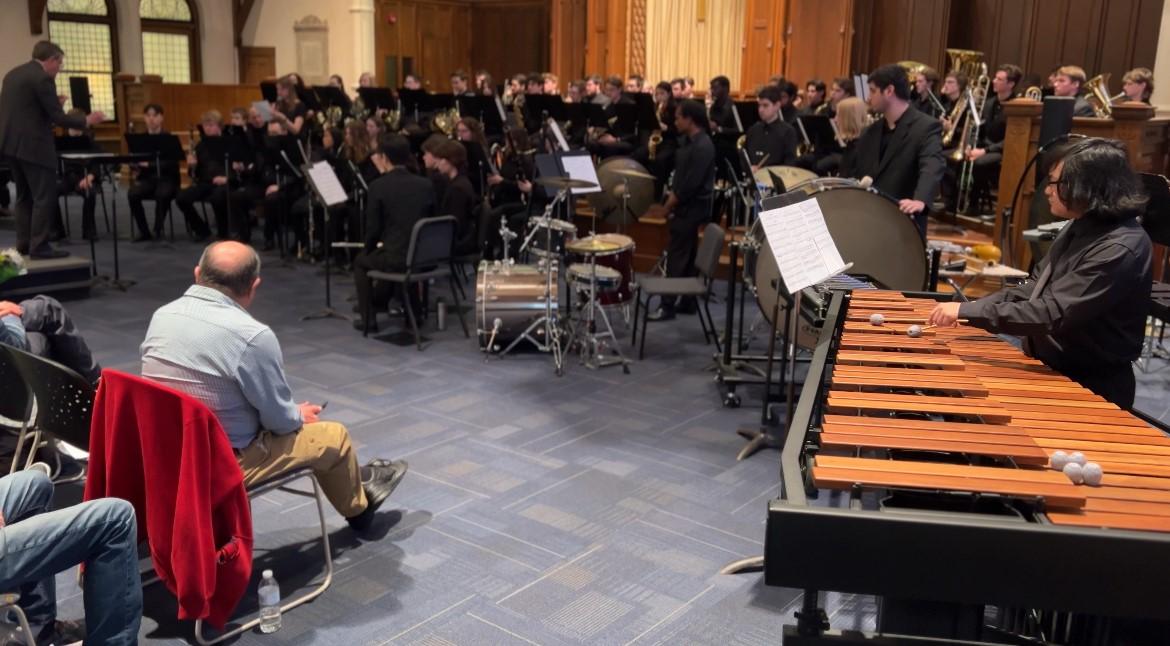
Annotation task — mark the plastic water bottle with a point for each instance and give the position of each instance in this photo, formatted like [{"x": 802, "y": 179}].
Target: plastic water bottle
[{"x": 269, "y": 603}]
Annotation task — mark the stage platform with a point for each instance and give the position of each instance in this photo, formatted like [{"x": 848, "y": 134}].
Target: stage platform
[{"x": 65, "y": 278}]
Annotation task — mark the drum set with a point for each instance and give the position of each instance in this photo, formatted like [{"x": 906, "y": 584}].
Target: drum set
[{"x": 525, "y": 302}]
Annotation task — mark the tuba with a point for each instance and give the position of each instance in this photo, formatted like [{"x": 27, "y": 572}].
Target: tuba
[
  {"x": 1097, "y": 94},
  {"x": 967, "y": 61},
  {"x": 1034, "y": 93}
]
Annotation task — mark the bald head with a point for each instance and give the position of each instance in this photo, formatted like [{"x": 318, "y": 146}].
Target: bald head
[{"x": 230, "y": 267}]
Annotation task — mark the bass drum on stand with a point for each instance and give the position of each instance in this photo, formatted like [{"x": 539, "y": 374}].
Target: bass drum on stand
[
  {"x": 870, "y": 232},
  {"x": 516, "y": 295}
]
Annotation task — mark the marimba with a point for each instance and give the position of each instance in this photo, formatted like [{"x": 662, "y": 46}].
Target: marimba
[{"x": 941, "y": 445}]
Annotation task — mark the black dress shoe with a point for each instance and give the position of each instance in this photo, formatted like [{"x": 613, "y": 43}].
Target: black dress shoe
[
  {"x": 383, "y": 479},
  {"x": 143, "y": 237},
  {"x": 360, "y": 325},
  {"x": 661, "y": 314},
  {"x": 46, "y": 254}
]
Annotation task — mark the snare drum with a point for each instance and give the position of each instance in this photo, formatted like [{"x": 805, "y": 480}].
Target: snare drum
[
  {"x": 608, "y": 278},
  {"x": 517, "y": 295},
  {"x": 612, "y": 250},
  {"x": 547, "y": 237}
]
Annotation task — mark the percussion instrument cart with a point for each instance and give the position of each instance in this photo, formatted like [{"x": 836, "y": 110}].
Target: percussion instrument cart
[{"x": 952, "y": 552}]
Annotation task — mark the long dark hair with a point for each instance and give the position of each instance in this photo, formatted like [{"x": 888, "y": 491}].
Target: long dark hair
[{"x": 1097, "y": 180}]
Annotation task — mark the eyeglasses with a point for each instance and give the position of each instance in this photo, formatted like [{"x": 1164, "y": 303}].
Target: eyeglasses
[{"x": 1057, "y": 182}]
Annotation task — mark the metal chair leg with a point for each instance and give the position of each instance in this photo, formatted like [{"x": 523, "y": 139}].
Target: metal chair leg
[
  {"x": 410, "y": 316},
  {"x": 645, "y": 321},
  {"x": 293, "y": 603},
  {"x": 458, "y": 307},
  {"x": 637, "y": 310}
]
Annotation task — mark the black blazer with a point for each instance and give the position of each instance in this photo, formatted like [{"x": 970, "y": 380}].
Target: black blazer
[
  {"x": 913, "y": 165},
  {"x": 28, "y": 111},
  {"x": 395, "y": 202}
]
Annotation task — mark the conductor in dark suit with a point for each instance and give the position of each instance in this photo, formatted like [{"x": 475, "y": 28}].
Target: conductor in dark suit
[
  {"x": 29, "y": 109},
  {"x": 902, "y": 152},
  {"x": 396, "y": 201}
]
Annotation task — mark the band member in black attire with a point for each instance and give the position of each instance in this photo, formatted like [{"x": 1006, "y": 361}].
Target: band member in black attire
[
  {"x": 396, "y": 201},
  {"x": 79, "y": 180},
  {"x": 511, "y": 189},
  {"x": 289, "y": 111},
  {"x": 1084, "y": 315},
  {"x": 1068, "y": 80},
  {"x": 28, "y": 111},
  {"x": 1137, "y": 84},
  {"x": 925, "y": 85},
  {"x": 788, "y": 92},
  {"x": 282, "y": 187},
  {"x": 688, "y": 205},
  {"x": 988, "y": 154},
  {"x": 815, "y": 99},
  {"x": 459, "y": 198},
  {"x": 722, "y": 116},
  {"x": 616, "y": 140},
  {"x": 953, "y": 91},
  {"x": 902, "y": 153},
  {"x": 210, "y": 183},
  {"x": 770, "y": 141},
  {"x": 151, "y": 183},
  {"x": 841, "y": 88}
]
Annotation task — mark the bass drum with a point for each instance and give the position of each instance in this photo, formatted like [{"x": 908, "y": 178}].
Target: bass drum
[
  {"x": 870, "y": 232},
  {"x": 514, "y": 294}
]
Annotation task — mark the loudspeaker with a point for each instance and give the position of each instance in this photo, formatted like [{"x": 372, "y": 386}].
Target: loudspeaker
[
  {"x": 1056, "y": 119},
  {"x": 79, "y": 93}
]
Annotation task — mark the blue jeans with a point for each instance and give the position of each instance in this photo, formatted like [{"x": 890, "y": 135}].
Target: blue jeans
[{"x": 36, "y": 544}]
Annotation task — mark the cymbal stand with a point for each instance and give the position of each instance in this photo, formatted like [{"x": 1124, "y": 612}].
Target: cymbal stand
[
  {"x": 545, "y": 331},
  {"x": 591, "y": 339},
  {"x": 507, "y": 235}
]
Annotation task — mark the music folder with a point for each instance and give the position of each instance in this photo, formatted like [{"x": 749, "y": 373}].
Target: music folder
[
  {"x": 163, "y": 147},
  {"x": 413, "y": 101},
  {"x": 79, "y": 93},
  {"x": 647, "y": 115},
  {"x": 484, "y": 109}
]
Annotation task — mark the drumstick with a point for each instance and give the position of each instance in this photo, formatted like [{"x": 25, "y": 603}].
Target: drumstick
[{"x": 763, "y": 160}]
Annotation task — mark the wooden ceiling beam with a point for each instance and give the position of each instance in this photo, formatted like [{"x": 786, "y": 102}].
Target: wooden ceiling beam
[{"x": 36, "y": 16}]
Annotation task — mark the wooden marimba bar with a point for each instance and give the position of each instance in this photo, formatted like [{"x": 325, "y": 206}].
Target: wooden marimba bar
[{"x": 992, "y": 414}]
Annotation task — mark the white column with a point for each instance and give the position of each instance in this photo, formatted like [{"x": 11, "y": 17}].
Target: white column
[
  {"x": 362, "y": 20},
  {"x": 1161, "y": 96}
]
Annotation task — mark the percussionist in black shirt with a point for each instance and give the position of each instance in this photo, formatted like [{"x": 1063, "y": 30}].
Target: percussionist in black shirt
[
  {"x": 1084, "y": 314},
  {"x": 688, "y": 204},
  {"x": 770, "y": 141}
]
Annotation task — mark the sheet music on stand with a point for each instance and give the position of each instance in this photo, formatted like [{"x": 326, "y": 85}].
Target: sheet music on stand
[
  {"x": 325, "y": 181},
  {"x": 800, "y": 241}
]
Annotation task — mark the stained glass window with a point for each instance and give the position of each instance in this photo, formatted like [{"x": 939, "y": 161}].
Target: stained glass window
[
  {"x": 177, "y": 10},
  {"x": 170, "y": 40},
  {"x": 85, "y": 30},
  {"x": 83, "y": 7}
]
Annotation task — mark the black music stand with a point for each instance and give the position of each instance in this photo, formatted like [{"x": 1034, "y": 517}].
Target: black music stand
[
  {"x": 326, "y": 190},
  {"x": 761, "y": 437},
  {"x": 268, "y": 91},
  {"x": 80, "y": 144},
  {"x": 284, "y": 149},
  {"x": 646, "y": 118},
  {"x": 748, "y": 113},
  {"x": 540, "y": 107},
  {"x": 820, "y": 131},
  {"x": 230, "y": 146},
  {"x": 309, "y": 97},
  {"x": 414, "y": 102},
  {"x": 79, "y": 93},
  {"x": 333, "y": 97},
  {"x": 162, "y": 147},
  {"x": 484, "y": 109}
]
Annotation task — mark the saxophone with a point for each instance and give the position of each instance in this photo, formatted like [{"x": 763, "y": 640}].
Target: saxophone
[{"x": 656, "y": 135}]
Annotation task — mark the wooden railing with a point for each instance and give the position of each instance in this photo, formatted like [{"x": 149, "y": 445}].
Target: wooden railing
[{"x": 183, "y": 104}]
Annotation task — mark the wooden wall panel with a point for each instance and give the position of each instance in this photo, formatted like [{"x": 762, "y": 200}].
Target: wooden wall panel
[
  {"x": 1099, "y": 35},
  {"x": 889, "y": 31},
  {"x": 510, "y": 36},
  {"x": 819, "y": 39},
  {"x": 763, "y": 43},
  {"x": 567, "y": 47},
  {"x": 605, "y": 40},
  {"x": 257, "y": 64},
  {"x": 435, "y": 35}
]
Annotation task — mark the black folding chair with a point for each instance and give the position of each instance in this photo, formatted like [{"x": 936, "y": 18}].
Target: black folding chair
[
  {"x": 706, "y": 262},
  {"x": 63, "y": 402},
  {"x": 428, "y": 257}
]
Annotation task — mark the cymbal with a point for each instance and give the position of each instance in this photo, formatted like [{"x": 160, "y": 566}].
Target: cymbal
[
  {"x": 564, "y": 182},
  {"x": 632, "y": 172},
  {"x": 592, "y": 244}
]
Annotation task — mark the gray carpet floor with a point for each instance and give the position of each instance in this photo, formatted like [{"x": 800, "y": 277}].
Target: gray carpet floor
[{"x": 594, "y": 508}]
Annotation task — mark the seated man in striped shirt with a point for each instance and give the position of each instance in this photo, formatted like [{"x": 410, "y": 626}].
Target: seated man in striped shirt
[{"x": 207, "y": 345}]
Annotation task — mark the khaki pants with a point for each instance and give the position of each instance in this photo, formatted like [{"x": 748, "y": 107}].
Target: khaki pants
[{"x": 322, "y": 446}]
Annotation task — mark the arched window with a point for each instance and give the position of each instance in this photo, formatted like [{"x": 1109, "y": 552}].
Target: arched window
[
  {"x": 170, "y": 40},
  {"x": 87, "y": 31}
]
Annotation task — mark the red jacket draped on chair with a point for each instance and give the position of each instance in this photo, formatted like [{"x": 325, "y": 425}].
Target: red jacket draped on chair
[{"x": 166, "y": 453}]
